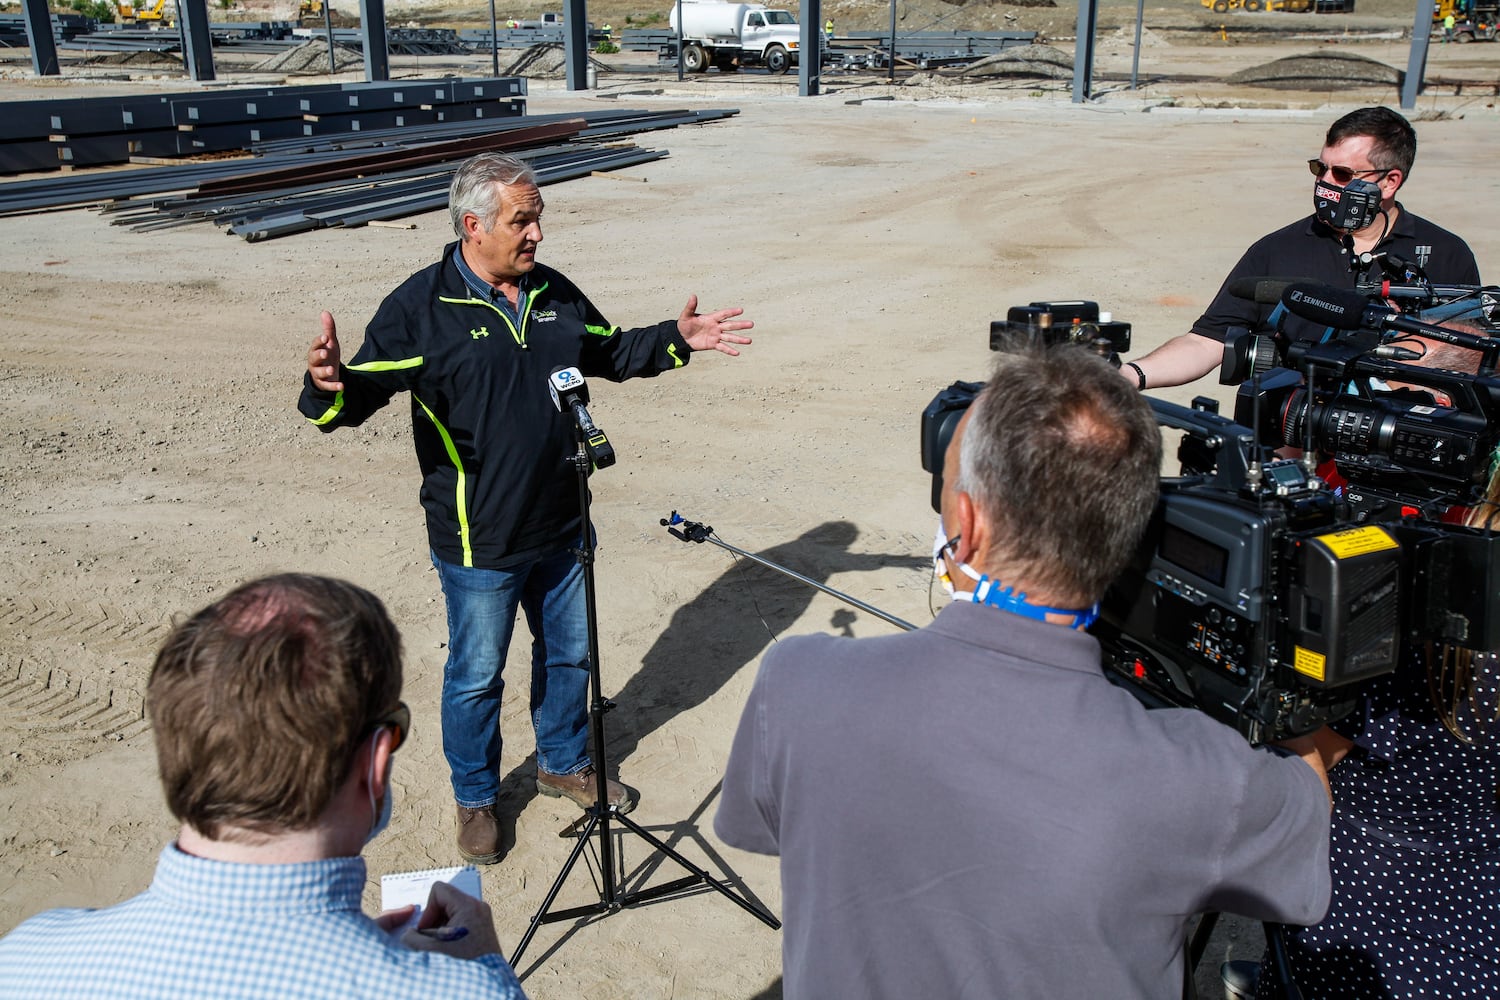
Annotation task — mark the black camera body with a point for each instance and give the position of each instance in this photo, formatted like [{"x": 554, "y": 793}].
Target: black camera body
[
  {"x": 1260, "y": 594},
  {"x": 1397, "y": 443},
  {"x": 1032, "y": 326},
  {"x": 1046, "y": 324},
  {"x": 1257, "y": 605},
  {"x": 939, "y": 421}
]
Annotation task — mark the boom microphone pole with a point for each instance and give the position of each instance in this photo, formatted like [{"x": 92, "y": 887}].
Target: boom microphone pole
[{"x": 693, "y": 531}]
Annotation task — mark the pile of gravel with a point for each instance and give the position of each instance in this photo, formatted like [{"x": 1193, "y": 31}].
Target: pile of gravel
[
  {"x": 1041, "y": 61},
  {"x": 1319, "y": 71},
  {"x": 311, "y": 57}
]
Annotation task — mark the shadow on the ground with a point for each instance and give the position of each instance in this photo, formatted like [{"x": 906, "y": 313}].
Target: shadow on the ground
[{"x": 729, "y": 624}]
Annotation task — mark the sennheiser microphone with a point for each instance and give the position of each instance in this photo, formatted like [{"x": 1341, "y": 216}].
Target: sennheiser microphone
[
  {"x": 1345, "y": 310},
  {"x": 570, "y": 394},
  {"x": 1329, "y": 306},
  {"x": 1265, "y": 291}
]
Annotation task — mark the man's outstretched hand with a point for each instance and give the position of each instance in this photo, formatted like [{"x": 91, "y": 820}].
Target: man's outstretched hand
[
  {"x": 713, "y": 331},
  {"x": 323, "y": 357}
]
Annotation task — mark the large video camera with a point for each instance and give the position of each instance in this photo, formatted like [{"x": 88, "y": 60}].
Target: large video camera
[
  {"x": 1033, "y": 326},
  {"x": 1262, "y": 594}
]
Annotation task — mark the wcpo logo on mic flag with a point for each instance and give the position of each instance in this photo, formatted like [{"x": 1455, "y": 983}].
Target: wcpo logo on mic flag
[
  {"x": 567, "y": 387},
  {"x": 570, "y": 392}
]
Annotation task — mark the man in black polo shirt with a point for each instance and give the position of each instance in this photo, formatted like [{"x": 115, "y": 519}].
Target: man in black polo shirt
[{"x": 1373, "y": 145}]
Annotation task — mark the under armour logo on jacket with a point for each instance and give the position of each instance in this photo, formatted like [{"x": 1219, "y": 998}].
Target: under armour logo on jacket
[{"x": 483, "y": 331}]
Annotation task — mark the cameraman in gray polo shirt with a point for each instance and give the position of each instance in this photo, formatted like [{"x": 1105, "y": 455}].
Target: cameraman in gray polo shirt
[{"x": 971, "y": 809}]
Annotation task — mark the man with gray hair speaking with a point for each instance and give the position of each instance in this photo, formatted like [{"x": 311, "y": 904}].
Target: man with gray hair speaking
[
  {"x": 971, "y": 809},
  {"x": 473, "y": 339}
]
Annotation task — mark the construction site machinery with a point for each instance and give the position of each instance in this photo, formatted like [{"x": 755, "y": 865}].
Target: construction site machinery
[
  {"x": 1473, "y": 20},
  {"x": 127, "y": 12},
  {"x": 1290, "y": 6},
  {"x": 312, "y": 12}
]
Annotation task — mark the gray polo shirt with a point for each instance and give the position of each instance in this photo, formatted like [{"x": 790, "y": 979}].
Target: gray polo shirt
[{"x": 972, "y": 810}]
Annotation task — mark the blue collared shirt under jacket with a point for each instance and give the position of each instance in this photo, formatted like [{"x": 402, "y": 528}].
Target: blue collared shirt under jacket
[
  {"x": 484, "y": 289},
  {"x": 235, "y": 932}
]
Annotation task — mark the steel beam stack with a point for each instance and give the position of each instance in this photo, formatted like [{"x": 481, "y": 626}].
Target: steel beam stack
[
  {"x": 44, "y": 134},
  {"x": 348, "y": 180}
]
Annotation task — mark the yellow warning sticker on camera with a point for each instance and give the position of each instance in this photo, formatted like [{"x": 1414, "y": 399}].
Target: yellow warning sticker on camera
[
  {"x": 1357, "y": 542},
  {"x": 1314, "y": 665}
]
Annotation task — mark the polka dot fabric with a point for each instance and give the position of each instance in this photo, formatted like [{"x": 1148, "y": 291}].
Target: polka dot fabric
[{"x": 1415, "y": 860}]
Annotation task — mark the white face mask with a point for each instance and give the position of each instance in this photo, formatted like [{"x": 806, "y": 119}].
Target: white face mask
[
  {"x": 991, "y": 592},
  {"x": 942, "y": 543},
  {"x": 382, "y": 813}
]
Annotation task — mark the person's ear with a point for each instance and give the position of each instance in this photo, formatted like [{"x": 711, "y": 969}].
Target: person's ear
[
  {"x": 472, "y": 226},
  {"x": 376, "y": 760},
  {"x": 972, "y": 533}
]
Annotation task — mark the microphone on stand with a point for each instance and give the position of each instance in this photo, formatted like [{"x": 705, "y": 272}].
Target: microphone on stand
[{"x": 570, "y": 394}]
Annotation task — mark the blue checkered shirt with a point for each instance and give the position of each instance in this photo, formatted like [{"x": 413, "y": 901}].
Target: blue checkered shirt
[{"x": 225, "y": 931}]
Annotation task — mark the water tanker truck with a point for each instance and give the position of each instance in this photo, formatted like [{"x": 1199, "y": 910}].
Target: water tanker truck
[{"x": 731, "y": 35}]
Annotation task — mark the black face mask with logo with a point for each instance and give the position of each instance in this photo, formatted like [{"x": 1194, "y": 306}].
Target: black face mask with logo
[{"x": 1349, "y": 208}]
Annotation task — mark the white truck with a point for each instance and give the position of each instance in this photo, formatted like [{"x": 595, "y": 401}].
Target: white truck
[{"x": 730, "y": 35}]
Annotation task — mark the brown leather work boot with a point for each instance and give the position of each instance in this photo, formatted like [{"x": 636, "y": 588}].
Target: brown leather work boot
[
  {"x": 582, "y": 789},
  {"x": 479, "y": 835}
]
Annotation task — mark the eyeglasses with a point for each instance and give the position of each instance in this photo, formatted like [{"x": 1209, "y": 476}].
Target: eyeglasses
[
  {"x": 1341, "y": 175},
  {"x": 399, "y": 719}
]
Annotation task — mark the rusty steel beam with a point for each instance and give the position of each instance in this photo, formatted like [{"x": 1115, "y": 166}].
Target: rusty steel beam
[{"x": 364, "y": 163}]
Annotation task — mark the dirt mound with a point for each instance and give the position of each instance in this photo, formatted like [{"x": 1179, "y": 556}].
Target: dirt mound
[
  {"x": 144, "y": 59},
  {"x": 1319, "y": 71},
  {"x": 311, "y": 57},
  {"x": 1042, "y": 61},
  {"x": 547, "y": 61}
]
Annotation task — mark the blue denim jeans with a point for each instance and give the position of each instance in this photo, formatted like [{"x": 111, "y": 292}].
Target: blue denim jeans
[{"x": 481, "y": 617}]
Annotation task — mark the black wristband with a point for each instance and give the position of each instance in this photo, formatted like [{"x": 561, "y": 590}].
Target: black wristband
[{"x": 1140, "y": 376}]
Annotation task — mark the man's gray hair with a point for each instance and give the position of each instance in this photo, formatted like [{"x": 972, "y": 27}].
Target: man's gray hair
[
  {"x": 1064, "y": 457},
  {"x": 475, "y": 188}
]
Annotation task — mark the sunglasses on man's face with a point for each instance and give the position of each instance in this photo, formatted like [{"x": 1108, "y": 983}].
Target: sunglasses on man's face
[
  {"x": 399, "y": 719},
  {"x": 1340, "y": 175}
]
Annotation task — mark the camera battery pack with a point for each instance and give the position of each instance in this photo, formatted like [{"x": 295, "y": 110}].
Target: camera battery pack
[{"x": 1345, "y": 616}]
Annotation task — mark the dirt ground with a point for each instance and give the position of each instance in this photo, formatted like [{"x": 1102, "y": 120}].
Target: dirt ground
[{"x": 153, "y": 456}]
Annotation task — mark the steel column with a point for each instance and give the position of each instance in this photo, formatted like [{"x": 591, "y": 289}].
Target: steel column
[
  {"x": 372, "y": 27},
  {"x": 197, "y": 44},
  {"x": 43, "y": 45},
  {"x": 1083, "y": 51},
  {"x": 576, "y": 43},
  {"x": 810, "y": 63},
  {"x": 1416, "y": 63},
  {"x": 892, "y": 75}
]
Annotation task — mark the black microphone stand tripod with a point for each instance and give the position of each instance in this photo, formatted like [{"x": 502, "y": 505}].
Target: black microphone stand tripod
[{"x": 613, "y": 896}]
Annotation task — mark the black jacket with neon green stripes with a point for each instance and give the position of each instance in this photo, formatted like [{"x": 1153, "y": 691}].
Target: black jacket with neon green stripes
[{"x": 497, "y": 482}]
